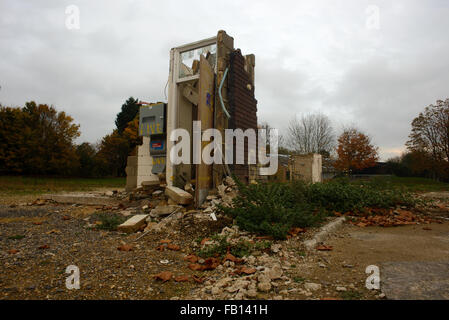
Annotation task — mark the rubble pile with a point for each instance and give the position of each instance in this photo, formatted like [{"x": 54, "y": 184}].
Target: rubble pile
[
  {"x": 390, "y": 218},
  {"x": 264, "y": 272},
  {"x": 159, "y": 206}
]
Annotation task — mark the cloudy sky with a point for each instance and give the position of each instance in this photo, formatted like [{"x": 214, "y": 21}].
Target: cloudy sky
[{"x": 373, "y": 64}]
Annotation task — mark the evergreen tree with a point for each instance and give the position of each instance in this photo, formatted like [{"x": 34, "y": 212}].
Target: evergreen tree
[{"x": 129, "y": 111}]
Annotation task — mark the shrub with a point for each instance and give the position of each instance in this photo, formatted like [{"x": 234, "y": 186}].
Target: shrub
[
  {"x": 343, "y": 196},
  {"x": 271, "y": 209},
  {"x": 274, "y": 208},
  {"x": 110, "y": 221}
]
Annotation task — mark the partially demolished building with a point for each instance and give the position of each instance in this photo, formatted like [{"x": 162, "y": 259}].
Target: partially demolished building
[{"x": 211, "y": 82}]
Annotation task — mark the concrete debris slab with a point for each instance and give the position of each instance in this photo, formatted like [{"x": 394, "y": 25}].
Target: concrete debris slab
[
  {"x": 415, "y": 280},
  {"x": 163, "y": 210},
  {"x": 133, "y": 224},
  {"x": 150, "y": 184},
  {"x": 324, "y": 233},
  {"x": 178, "y": 195}
]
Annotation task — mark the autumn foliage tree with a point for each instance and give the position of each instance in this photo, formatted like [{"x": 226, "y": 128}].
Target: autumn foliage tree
[
  {"x": 355, "y": 151},
  {"x": 37, "y": 139},
  {"x": 430, "y": 138},
  {"x": 115, "y": 147}
]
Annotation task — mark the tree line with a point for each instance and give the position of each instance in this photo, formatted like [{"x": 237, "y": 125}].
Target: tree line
[
  {"x": 427, "y": 152},
  {"x": 39, "y": 140},
  {"x": 351, "y": 151},
  {"x": 426, "y": 155}
]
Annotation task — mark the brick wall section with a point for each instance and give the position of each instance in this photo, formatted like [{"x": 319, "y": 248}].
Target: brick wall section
[{"x": 243, "y": 106}]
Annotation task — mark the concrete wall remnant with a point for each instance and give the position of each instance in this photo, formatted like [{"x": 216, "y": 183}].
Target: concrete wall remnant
[{"x": 306, "y": 167}]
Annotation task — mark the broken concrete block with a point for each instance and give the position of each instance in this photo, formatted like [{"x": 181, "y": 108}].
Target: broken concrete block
[
  {"x": 221, "y": 190},
  {"x": 170, "y": 202},
  {"x": 178, "y": 195},
  {"x": 229, "y": 181},
  {"x": 188, "y": 187},
  {"x": 163, "y": 211},
  {"x": 150, "y": 184},
  {"x": 133, "y": 224},
  {"x": 157, "y": 193}
]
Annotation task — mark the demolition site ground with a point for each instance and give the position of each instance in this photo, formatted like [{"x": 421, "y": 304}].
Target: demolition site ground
[{"x": 194, "y": 256}]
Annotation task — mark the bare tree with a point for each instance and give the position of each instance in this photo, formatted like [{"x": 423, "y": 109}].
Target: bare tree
[
  {"x": 430, "y": 135},
  {"x": 312, "y": 133}
]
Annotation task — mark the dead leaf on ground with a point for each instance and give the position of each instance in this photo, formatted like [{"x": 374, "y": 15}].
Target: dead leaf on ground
[
  {"x": 211, "y": 263},
  {"x": 230, "y": 257},
  {"x": 66, "y": 218},
  {"x": 164, "y": 276},
  {"x": 173, "y": 247},
  {"x": 13, "y": 251},
  {"x": 191, "y": 258},
  {"x": 37, "y": 223},
  {"x": 165, "y": 241},
  {"x": 264, "y": 238},
  {"x": 182, "y": 278},
  {"x": 45, "y": 246},
  {"x": 160, "y": 248},
  {"x": 125, "y": 247},
  {"x": 195, "y": 267},
  {"x": 295, "y": 231},
  {"x": 205, "y": 240},
  {"x": 245, "y": 270},
  {"x": 324, "y": 248}
]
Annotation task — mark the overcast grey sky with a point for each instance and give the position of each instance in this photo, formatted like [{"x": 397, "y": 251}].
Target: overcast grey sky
[{"x": 311, "y": 56}]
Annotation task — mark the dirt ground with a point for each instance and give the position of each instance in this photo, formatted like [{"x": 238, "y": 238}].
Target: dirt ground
[
  {"x": 355, "y": 248},
  {"x": 37, "y": 243},
  {"x": 49, "y": 238}
]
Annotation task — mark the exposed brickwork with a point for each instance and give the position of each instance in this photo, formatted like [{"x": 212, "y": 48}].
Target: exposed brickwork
[{"x": 243, "y": 106}]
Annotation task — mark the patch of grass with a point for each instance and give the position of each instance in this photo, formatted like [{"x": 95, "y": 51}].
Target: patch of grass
[
  {"x": 109, "y": 221},
  {"x": 412, "y": 184},
  {"x": 218, "y": 249},
  {"x": 242, "y": 249},
  {"x": 351, "y": 295},
  {"x": 18, "y": 185},
  {"x": 299, "y": 279},
  {"x": 262, "y": 245},
  {"x": 16, "y": 237}
]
